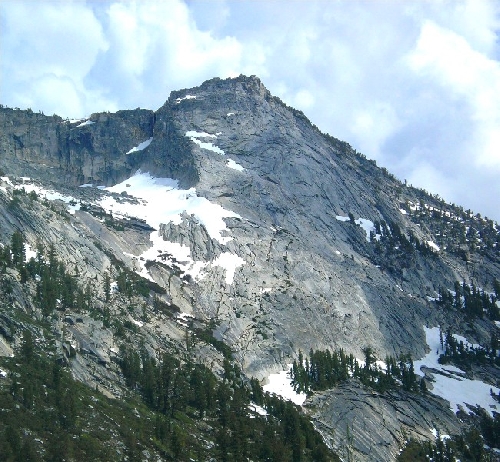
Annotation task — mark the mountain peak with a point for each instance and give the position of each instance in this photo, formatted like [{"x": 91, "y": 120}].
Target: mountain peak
[
  {"x": 250, "y": 85},
  {"x": 236, "y": 230}
]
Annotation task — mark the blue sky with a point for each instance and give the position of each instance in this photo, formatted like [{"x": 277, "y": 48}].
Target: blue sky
[{"x": 412, "y": 84}]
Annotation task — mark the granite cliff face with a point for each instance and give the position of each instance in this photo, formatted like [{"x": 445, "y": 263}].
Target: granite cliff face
[
  {"x": 311, "y": 271},
  {"x": 307, "y": 274},
  {"x": 72, "y": 152}
]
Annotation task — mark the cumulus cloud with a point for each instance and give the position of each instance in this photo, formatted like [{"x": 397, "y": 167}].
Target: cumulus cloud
[
  {"x": 414, "y": 85},
  {"x": 156, "y": 47},
  {"x": 47, "y": 50},
  {"x": 450, "y": 62}
]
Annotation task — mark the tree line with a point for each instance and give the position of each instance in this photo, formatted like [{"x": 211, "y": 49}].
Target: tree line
[
  {"x": 325, "y": 369},
  {"x": 476, "y": 303},
  {"x": 455, "y": 351},
  {"x": 173, "y": 387}
]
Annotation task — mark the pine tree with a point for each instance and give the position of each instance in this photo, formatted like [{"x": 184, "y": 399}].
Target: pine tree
[
  {"x": 107, "y": 286},
  {"x": 18, "y": 248}
]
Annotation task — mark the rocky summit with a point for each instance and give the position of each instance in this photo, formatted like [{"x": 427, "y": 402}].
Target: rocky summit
[{"x": 228, "y": 231}]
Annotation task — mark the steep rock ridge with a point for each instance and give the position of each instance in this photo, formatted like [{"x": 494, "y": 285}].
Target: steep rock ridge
[
  {"x": 309, "y": 279},
  {"x": 308, "y": 275}
]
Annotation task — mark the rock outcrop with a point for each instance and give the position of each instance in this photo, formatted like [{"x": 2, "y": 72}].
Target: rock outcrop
[{"x": 364, "y": 425}]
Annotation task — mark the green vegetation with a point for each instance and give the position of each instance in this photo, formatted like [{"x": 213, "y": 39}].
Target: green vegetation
[
  {"x": 324, "y": 369},
  {"x": 468, "y": 447},
  {"x": 464, "y": 355},
  {"x": 206, "y": 336},
  {"x": 173, "y": 407},
  {"x": 457, "y": 230},
  {"x": 394, "y": 251},
  {"x": 476, "y": 303},
  {"x": 45, "y": 415},
  {"x": 177, "y": 390}
]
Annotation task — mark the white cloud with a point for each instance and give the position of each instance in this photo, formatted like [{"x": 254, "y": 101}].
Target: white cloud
[
  {"x": 430, "y": 178},
  {"x": 69, "y": 100},
  {"x": 45, "y": 45},
  {"x": 304, "y": 99},
  {"x": 156, "y": 47},
  {"x": 373, "y": 124},
  {"x": 449, "y": 61}
]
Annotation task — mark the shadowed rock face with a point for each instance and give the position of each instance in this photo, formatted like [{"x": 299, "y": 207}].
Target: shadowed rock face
[
  {"x": 72, "y": 153},
  {"x": 93, "y": 151},
  {"x": 309, "y": 280}
]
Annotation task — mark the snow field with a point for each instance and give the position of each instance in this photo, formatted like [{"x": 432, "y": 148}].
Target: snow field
[
  {"x": 161, "y": 201},
  {"x": 450, "y": 382}
]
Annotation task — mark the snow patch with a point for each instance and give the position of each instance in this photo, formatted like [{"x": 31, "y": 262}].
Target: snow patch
[
  {"x": 441, "y": 436},
  {"x": 197, "y": 137},
  {"x": 281, "y": 384},
  {"x": 30, "y": 253},
  {"x": 185, "y": 317},
  {"x": 140, "y": 146},
  {"x": 255, "y": 408},
  {"x": 137, "y": 323},
  {"x": 366, "y": 224},
  {"x": 232, "y": 164},
  {"x": 403, "y": 211},
  {"x": 83, "y": 124},
  {"x": 230, "y": 263},
  {"x": 179, "y": 100},
  {"x": 433, "y": 246},
  {"x": 194, "y": 136}
]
